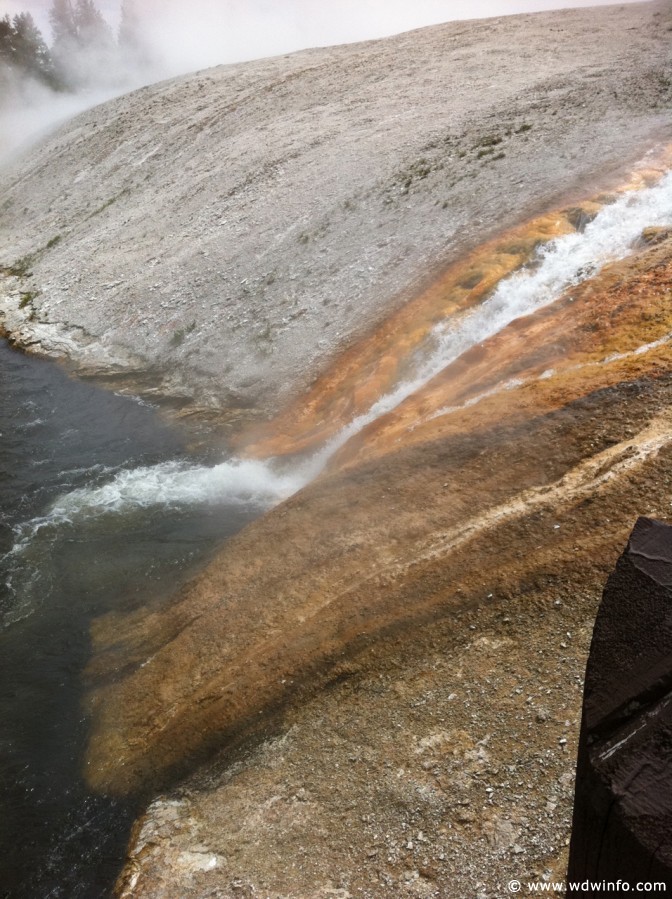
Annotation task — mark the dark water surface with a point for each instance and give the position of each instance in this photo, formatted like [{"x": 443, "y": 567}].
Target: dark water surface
[{"x": 56, "y": 434}]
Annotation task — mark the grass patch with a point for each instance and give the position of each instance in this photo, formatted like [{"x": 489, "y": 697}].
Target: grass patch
[
  {"x": 489, "y": 142},
  {"x": 27, "y": 297},
  {"x": 179, "y": 336},
  {"x": 109, "y": 203},
  {"x": 21, "y": 268}
]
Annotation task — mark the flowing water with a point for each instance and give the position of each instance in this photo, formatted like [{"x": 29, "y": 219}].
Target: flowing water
[
  {"x": 77, "y": 538},
  {"x": 101, "y": 509}
]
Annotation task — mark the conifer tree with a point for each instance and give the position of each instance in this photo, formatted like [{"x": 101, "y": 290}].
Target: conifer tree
[
  {"x": 24, "y": 53},
  {"x": 92, "y": 29},
  {"x": 84, "y": 50},
  {"x": 32, "y": 53},
  {"x": 63, "y": 25}
]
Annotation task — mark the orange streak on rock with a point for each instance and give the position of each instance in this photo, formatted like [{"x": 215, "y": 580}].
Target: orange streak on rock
[
  {"x": 584, "y": 341},
  {"x": 376, "y": 363}
]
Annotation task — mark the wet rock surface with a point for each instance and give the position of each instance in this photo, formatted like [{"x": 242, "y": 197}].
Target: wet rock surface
[
  {"x": 394, "y": 657},
  {"x": 378, "y": 684},
  {"x": 621, "y": 828}
]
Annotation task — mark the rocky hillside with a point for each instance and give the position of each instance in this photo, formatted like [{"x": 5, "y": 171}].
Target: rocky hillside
[{"x": 227, "y": 233}]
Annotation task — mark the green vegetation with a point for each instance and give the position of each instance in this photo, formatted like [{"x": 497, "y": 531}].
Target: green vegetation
[
  {"x": 24, "y": 53},
  {"x": 27, "y": 297},
  {"x": 84, "y": 52},
  {"x": 179, "y": 336},
  {"x": 109, "y": 202},
  {"x": 21, "y": 268},
  {"x": 489, "y": 142}
]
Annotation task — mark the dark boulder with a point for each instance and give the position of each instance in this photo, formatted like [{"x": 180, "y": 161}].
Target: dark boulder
[{"x": 622, "y": 827}]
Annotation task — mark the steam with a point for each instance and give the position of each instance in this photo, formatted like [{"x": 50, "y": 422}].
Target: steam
[
  {"x": 32, "y": 110},
  {"x": 210, "y": 32},
  {"x": 182, "y": 37}
]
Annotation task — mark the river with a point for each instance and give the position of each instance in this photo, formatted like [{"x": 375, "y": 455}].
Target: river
[{"x": 62, "y": 438}]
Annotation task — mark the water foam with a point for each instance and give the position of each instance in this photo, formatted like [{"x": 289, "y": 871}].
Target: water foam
[
  {"x": 560, "y": 264},
  {"x": 248, "y": 482}
]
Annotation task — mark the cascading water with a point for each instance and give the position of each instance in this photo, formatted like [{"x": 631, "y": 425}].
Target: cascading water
[
  {"x": 560, "y": 264},
  {"x": 95, "y": 527}
]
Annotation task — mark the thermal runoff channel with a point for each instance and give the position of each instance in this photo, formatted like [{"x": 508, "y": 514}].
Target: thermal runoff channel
[{"x": 561, "y": 263}]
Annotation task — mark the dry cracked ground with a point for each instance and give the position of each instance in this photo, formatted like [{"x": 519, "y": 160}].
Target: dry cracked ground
[{"x": 374, "y": 690}]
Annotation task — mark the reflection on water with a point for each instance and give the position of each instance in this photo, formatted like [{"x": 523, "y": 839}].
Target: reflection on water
[{"x": 59, "y": 436}]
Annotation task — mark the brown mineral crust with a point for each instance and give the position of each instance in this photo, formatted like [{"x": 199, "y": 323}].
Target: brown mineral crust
[
  {"x": 597, "y": 334},
  {"x": 350, "y": 557},
  {"x": 439, "y": 759},
  {"x": 387, "y": 542},
  {"x": 622, "y": 826},
  {"x": 375, "y": 364}
]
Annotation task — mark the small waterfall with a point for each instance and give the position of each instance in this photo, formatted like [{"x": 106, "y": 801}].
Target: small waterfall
[
  {"x": 559, "y": 265},
  {"x": 172, "y": 484}
]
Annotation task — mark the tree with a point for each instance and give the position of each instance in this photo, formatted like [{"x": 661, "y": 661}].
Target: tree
[
  {"x": 31, "y": 52},
  {"x": 92, "y": 29},
  {"x": 24, "y": 53},
  {"x": 63, "y": 25},
  {"x": 84, "y": 50},
  {"x": 134, "y": 50}
]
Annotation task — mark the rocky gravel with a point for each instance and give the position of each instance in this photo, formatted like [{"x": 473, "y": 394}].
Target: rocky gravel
[{"x": 439, "y": 766}]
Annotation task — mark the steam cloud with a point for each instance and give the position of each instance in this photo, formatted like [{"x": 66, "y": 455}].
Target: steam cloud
[{"x": 183, "y": 37}]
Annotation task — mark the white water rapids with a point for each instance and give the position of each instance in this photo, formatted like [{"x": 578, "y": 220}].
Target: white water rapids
[{"x": 559, "y": 265}]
